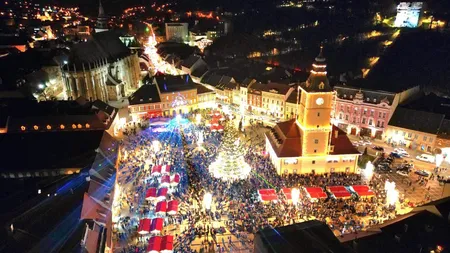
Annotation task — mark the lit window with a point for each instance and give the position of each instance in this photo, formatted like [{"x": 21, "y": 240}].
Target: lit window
[
  {"x": 316, "y": 141},
  {"x": 313, "y": 162},
  {"x": 74, "y": 126}
]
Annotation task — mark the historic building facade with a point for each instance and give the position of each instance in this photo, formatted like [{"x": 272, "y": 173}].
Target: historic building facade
[
  {"x": 310, "y": 143},
  {"x": 101, "y": 68}
]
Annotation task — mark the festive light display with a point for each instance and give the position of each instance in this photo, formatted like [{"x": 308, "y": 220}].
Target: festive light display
[
  {"x": 230, "y": 164},
  {"x": 156, "y": 61},
  {"x": 295, "y": 195},
  {"x": 368, "y": 171},
  {"x": 391, "y": 193},
  {"x": 207, "y": 201}
]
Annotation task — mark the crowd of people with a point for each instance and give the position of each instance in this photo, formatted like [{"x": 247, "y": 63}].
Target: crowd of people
[{"x": 236, "y": 212}]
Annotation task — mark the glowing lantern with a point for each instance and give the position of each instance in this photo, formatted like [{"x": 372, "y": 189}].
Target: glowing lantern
[
  {"x": 74, "y": 126},
  {"x": 87, "y": 125},
  {"x": 80, "y": 126}
]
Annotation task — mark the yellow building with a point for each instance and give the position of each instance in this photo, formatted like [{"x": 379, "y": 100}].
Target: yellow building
[
  {"x": 310, "y": 143},
  {"x": 178, "y": 93}
]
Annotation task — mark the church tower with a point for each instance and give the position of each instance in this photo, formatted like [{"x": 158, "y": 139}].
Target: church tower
[
  {"x": 315, "y": 108},
  {"x": 102, "y": 20}
]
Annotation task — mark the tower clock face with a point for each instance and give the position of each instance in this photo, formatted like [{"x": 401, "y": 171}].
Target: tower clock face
[{"x": 320, "y": 101}]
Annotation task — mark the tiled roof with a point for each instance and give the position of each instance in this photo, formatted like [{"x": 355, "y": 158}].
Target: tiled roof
[
  {"x": 285, "y": 139},
  {"x": 190, "y": 61},
  {"x": 277, "y": 87},
  {"x": 375, "y": 97},
  {"x": 170, "y": 83},
  {"x": 293, "y": 97},
  {"x": 202, "y": 89},
  {"x": 200, "y": 71},
  {"x": 145, "y": 94},
  {"x": 421, "y": 121},
  {"x": 104, "y": 46}
]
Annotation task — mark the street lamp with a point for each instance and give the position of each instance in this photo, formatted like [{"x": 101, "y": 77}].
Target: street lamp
[
  {"x": 295, "y": 195},
  {"x": 41, "y": 86},
  {"x": 207, "y": 201}
]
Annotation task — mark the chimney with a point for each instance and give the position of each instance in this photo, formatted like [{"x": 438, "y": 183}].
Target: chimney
[{"x": 336, "y": 133}]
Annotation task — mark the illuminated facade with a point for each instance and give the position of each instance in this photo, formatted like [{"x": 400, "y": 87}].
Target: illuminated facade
[
  {"x": 310, "y": 143},
  {"x": 362, "y": 112},
  {"x": 274, "y": 98}
]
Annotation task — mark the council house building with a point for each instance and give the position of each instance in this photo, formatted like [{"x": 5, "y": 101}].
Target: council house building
[{"x": 309, "y": 143}]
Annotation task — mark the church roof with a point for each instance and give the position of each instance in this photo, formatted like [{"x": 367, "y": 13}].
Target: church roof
[
  {"x": 285, "y": 139},
  {"x": 102, "y": 47}
]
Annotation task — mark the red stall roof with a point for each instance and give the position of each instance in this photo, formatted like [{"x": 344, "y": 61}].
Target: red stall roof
[
  {"x": 268, "y": 194},
  {"x": 175, "y": 179},
  {"x": 157, "y": 224},
  {"x": 316, "y": 192},
  {"x": 363, "y": 190},
  {"x": 167, "y": 243},
  {"x": 162, "y": 192},
  {"x": 144, "y": 226},
  {"x": 156, "y": 169},
  {"x": 339, "y": 191},
  {"x": 165, "y": 179},
  {"x": 172, "y": 207},
  {"x": 166, "y": 169},
  {"x": 161, "y": 207},
  {"x": 154, "y": 244},
  {"x": 151, "y": 193}
]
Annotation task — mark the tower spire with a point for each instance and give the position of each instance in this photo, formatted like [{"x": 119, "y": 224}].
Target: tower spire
[
  {"x": 102, "y": 19},
  {"x": 318, "y": 81}
]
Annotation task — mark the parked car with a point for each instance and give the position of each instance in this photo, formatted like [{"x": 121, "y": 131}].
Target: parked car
[
  {"x": 425, "y": 158},
  {"x": 403, "y": 173},
  {"x": 422, "y": 173},
  {"x": 378, "y": 148},
  {"x": 401, "y": 152},
  {"x": 395, "y": 155}
]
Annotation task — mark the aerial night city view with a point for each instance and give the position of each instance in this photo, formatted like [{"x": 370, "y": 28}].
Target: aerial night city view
[{"x": 247, "y": 126}]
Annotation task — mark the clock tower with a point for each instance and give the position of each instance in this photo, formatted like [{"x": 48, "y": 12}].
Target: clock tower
[{"x": 315, "y": 107}]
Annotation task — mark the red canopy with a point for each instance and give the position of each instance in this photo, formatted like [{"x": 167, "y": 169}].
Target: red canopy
[
  {"x": 339, "y": 191},
  {"x": 151, "y": 193},
  {"x": 172, "y": 207},
  {"x": 144, "y": 226},
  {"x": 167, "y": 244},
  {"x": 162, "y": 192},
  {"x": 154, "y": 244},
  {"x": 315, "y": 192},
  {"x": 219, "y": 128},
  {"x": 363, "y": 190},
  {"x": 165, "y": 180},
  {"x": 156, "y": 170},
  {"x": 161, "y": 207},
  {"x": 267, "y": 195},
  {"x": 287, "y": 192},
  {"x": 165, "y": 169},
  {"x": 175, "y": 179},
  {"x": 214, "y": 122},
  {"x": 157, "y": 225}
]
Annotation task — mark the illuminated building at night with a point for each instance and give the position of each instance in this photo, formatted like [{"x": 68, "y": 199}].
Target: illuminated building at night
[
  {"x": 309, "y": 143},
  {"x": 101, "y": 68},
  {"x": 177, "y": 32}
]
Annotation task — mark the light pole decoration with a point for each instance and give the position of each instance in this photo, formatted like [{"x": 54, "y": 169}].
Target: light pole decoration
[
  {"x": 295, "y": 195},
  {"x": 207, "y": 201}
]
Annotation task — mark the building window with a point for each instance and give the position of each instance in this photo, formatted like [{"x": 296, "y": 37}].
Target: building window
[
  {"x": 315, "y": 150},
  {"x": 332, "y": 170},
  {"x": 313, "y": 162},
  {"x": 416, "y": 136},
  {"x": 365, "y": 111},
  {"x": 384, "y": 115},
  {"x": 374, "y": 100},
  {"x": 347, "y": 170},
  {"x": 382, "y": 123},
  {"x": 371, "y": 113},
  {"x": 294, "y": 171},
  {"x": 364, "y": 120},
  {"x": 346, "y": 117},
  {"x": 318, "y": 114},
  {"x": 424, "y": 138},
  {"x": 340, "y": 116},
  {"x": 431, "y": 139},
  {"x": 379, "y": 115},
  {"x": 409, "y": 135},
  {"x": 378, "y": 123},
  {"x": 345, "y": 95},
  {"x": 370, "y": 122},
  {"x": 367, "y": 99},
  {"x": 316, "y": 141}
]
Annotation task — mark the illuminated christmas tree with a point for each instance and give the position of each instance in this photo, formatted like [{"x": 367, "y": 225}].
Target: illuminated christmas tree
[{"x": 230, "y": 164}]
